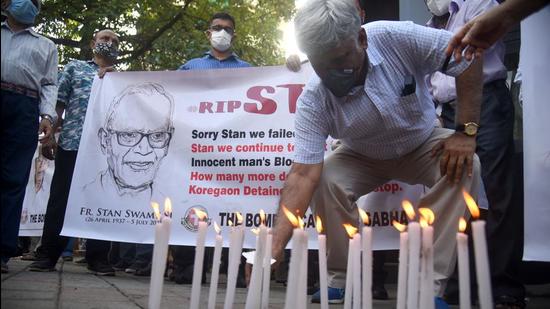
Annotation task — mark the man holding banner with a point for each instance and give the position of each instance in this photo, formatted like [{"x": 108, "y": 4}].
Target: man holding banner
[
  {"x": 221, "y": 34},
  {"x": 370, "y": 93},
  {"x": 74, "y": 92}
]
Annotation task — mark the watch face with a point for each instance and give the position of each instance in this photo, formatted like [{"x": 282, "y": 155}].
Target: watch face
[{"x": 470, "y": 129}]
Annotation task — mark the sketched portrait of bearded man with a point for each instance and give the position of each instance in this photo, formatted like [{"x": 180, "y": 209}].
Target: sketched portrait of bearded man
[{"x": 134, "y": 139}]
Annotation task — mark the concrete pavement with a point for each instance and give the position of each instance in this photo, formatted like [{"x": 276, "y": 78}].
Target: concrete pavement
[{"x": 72, "y": 287}]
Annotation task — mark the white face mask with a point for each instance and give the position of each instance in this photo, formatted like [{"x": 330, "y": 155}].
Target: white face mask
[
  {"x": 438, "y": 7},
  {"x": 220, "y": 40}
]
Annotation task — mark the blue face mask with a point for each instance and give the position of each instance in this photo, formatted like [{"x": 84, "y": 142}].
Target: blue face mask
[{"x": 23, "y": 11}]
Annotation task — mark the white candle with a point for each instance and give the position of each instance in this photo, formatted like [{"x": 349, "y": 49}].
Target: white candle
[
  {"x": 463, "y": 267},
  {"x": 235, "y": 248},
  {"x": 215, "y": 272},
  {"x": 351, "y": 230},
  {"x": 294, "y": 270},
  {"x": 367, "y": 265},
  {"x": 323, "y": 277},
  {"x": 481, "y": 257},
  {"x": 349, "y": 279},
  {"x": 414, "y": 265},
  {"x": 482, "y": 265},
  {"x": 197, "y": 269},
  {"x": 356, "y": 271},
  {"x": 402, "y": 271},
  {"x": 267, "y": 271},
  {"x": 253, "y": 298},
  {"x": 302, "y": 290},
  {"x": 160, "y": 253},
  {"x": 427, "y": 270}
]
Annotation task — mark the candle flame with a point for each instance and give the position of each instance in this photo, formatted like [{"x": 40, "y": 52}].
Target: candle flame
[
  {"x": 318, "y": 224},
  {"x": 300, "y": 222},
  {"x": 167, "y": 206},
  {"x": 290, "y": 216},
  {"x": 201, "y": 214},
  {"x": 423, "y": 222},
  {"x": 400, "y": 227},
  {"x": 262, "y": 216},
  {"x": 350, "y": 229},
  {"x": 156, "y": 206},
  {"x": 462, "y": 225},
  {"x": 217, "y": 228},
  {"x": 364, "y": 216},
  {"x": 239, "y": 218},
  {"x": 409, "y": 209},
  {"x": 229, "y": 222},
  {"x": 472, "y": 206},
  {"x": 427, "y": 214}
]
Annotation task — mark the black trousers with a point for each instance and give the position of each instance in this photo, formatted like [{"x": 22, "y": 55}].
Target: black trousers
[
  {"x": 495, "y": 148},
  {"x": 53, "y": 244},
  {"x": 18, "y": 137}
]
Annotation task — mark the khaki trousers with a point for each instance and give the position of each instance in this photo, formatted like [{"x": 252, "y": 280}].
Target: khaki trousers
[{"x": 348, "y": 175}]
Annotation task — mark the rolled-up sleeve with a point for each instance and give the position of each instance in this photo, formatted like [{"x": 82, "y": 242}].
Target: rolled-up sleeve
[
  {"x": 48, "y": 85},
  {"x": 427, "y": 47},
  {"x": 311, "y": 128}
]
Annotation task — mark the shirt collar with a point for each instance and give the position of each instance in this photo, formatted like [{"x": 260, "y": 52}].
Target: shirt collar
[
  {"x": 28, "y": 29},
  {"x": 454, "y": 7},
  {"x": 209, "y": 54}
]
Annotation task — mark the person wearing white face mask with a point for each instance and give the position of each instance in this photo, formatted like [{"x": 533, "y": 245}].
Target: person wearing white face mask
[
  {"x": 221, "y": 34},
  {"x": 495, "y": 149}
]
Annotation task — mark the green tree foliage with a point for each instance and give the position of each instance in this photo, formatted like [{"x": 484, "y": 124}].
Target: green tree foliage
[{"x": 163, "y": 34}]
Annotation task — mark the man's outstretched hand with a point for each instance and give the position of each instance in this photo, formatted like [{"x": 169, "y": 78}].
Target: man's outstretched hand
[{"x": 457, "y": 151}]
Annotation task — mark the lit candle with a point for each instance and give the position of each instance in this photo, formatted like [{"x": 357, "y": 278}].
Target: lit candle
[
  {"x": 235, "y": 248},
  {"x": 302, "y": 289},
  {"x": 267, "y": 271},
  {"x": 427, "y": 293},
  {"x": 160, "y": 253},
  {"x": 296, "y": 253},
  {"x": 414, "y": 257},
  {"x": 199, "y": 259},
  {"x": 351, "y": 230},
  {"x": 481, "y": 257},
  {"x": 403, "y": 263},
  {"x": 215, "y": 268},
  {"x": 323, "y": 281},
  {"x": 253, "y": 298},
  {"x": 367, "y": 261},
  {"x": 356, "y": 271},
  {"x": 463, "y": 266}
]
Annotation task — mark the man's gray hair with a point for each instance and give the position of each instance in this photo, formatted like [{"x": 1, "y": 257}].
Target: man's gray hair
[
  {"x": 325, "y": 24},
  {"x": 147, "y": 89}
]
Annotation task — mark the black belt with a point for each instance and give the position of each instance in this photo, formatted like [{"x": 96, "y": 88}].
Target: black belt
[{"x": 20, "y": 90}]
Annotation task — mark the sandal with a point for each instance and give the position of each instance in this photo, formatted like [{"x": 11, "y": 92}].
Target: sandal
[{"x": 509, "y": 302}]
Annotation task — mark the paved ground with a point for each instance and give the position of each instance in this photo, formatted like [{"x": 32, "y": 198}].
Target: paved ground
[{"x": 71, "y": 287}]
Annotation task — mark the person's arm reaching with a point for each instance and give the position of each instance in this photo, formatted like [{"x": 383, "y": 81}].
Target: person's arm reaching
[
  {"x": 459, "y": 149},
  {"x": 298, "y": 189},
  {"x": 483, "y": 31}
]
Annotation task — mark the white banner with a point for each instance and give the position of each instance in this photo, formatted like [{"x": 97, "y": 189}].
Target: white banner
[
  {"x": 536, "y": 93},
  {"x": 36, "y": 196},
  {"x": 219, "y": 140}
]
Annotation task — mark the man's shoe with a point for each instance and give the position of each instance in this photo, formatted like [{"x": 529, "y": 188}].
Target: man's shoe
[
  {"x": 5, "y": 268},
  {"x": 67, "y": 258},
  {"x": 121, "y": 266},
  {"x": 335, "y": 296},
  {"x": 31, "y": 256},
  {"x": 440, "y": 303},
  {"x": 42, "y": 265},
  {"x": 101, "y": 269},
  {"x": 144, "y": 271},
  {"x": 379, "y": 292}
]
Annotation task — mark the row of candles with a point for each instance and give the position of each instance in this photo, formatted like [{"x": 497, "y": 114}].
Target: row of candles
[{"x": 415, "y": 274}]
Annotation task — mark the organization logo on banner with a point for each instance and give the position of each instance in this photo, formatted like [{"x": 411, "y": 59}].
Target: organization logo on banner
[{"x": 191, "y": 221}]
